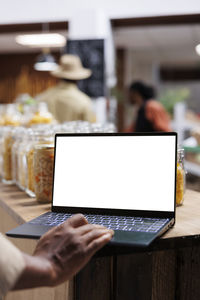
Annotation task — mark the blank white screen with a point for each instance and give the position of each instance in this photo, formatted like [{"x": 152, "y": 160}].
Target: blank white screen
[{"x": 115, "y": 172}]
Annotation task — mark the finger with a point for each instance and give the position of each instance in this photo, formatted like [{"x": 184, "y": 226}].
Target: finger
[
  {"x": 87, "y": 228},
  {"x": 95, "y": 234},
  {"x": 77, "y": 220},
  {"x": 98, "y": 243}
]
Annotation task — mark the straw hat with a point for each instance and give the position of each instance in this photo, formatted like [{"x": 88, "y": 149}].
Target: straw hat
[{"x": 71, "y": 68}]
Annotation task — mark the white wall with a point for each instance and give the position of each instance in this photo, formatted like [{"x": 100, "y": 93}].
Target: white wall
[
  {"x": 139, "y": 67},
  {"x": 25, "y": 11}
]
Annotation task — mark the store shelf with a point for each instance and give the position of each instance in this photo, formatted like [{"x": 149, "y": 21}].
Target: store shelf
[{"x": 192, "y": 168}]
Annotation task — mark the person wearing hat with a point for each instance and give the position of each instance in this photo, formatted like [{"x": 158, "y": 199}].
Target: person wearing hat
[{"x": 65, "y": 101}]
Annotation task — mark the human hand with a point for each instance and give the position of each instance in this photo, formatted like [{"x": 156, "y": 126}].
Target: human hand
[
  {"x": 70, "y": 246},
  {"x": 62, "y": 252}
]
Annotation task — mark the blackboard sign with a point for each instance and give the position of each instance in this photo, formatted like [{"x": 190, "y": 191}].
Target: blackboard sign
[{"x": 91, "y": 53}]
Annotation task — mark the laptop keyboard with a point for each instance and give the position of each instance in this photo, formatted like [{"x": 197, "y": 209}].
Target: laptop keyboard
[{"x": 152, "y": 225}]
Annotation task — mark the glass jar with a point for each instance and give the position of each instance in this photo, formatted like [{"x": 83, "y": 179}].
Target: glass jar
[
  {"x": 181, "y": 178},
  {"x": 8, "y": 139},
  {"x": 2, "y": 114},
  {"x": 43, "y": 161},
  {"x": 19, "y": 135},
  {"x": 27, "y": 113},
  {"x": 22, "y": 165},
  {"x": 40, "y": 115},
  {"x": 2, "y": 129},
  {"x": 96, "y": 128},
  {"x": 12, "y": 115},
  {"x": 69, "y": 127},
  {"x": 109, "y": 127},
  {"x": 82, "y": 127},
  {"x": 36, "y": 138}
]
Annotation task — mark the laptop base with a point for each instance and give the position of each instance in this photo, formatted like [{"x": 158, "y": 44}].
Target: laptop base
[{"x": 120, "y": 238}]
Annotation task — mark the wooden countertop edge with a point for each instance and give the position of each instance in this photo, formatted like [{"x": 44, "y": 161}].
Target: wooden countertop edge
[
  {"x": 18, "y": 205},
  {"x": 12, "y": 212}
]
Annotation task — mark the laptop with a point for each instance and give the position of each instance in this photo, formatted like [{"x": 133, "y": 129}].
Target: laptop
[{"x": 126, "y": 182}]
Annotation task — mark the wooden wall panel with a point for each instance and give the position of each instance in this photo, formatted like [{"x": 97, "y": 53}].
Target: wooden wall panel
[
  {"x": 95, "y": 280},
  {"x": 164, "y": 275},
  {"x": 188, "y": 273},
  {"x": 133, "y": 277},
  {"x": 17, "y": 76}
]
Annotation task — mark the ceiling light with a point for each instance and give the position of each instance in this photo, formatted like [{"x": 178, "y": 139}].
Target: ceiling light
[
  {"x": 197, "y": 48},
  {"x": 45, "y": 62},
  {"x": 41, "y": 40}
]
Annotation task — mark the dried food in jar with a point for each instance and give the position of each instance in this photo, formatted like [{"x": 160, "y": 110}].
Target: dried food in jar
[
  {"x": 7, "y": 158},
  {"x": 179, "y": 185},
  {"x": 40, "y": 119},
  {"x": 41, "y": 115},
  {"x": 8, "y": 121},
  {"x": 43, "y": 172}
]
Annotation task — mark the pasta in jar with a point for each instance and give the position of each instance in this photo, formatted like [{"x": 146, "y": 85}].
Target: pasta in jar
[
  {"x": 179, "y": 185},
  {"x": 6, "y": 155},
  {"x": 37, "y": 137},
  {"x": 180, "y": 179},
  {"x": 43, "y": 172}
]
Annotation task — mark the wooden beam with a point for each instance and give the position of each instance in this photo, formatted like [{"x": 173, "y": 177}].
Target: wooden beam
[
  {"x": 158, "y": 20},
  {"x": 28, "y": 27}
]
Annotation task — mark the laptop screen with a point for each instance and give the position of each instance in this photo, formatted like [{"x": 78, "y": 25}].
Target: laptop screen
[{"x": 126, "y": 172}]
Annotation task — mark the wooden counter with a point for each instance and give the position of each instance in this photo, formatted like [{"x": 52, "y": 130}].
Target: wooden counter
[{"x": 169, "y": 269}]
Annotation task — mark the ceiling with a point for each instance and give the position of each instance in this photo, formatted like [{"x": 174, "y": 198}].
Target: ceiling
[
  {"x": 167, "y": 44},
  {"x": 163, "y": 43}
]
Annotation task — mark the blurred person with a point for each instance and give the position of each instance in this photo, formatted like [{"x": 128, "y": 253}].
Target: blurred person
[
  {"x": 151, "y": 115},
  {"x": 65, "y": 101},
  {"x": 60, "y": 254}
]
